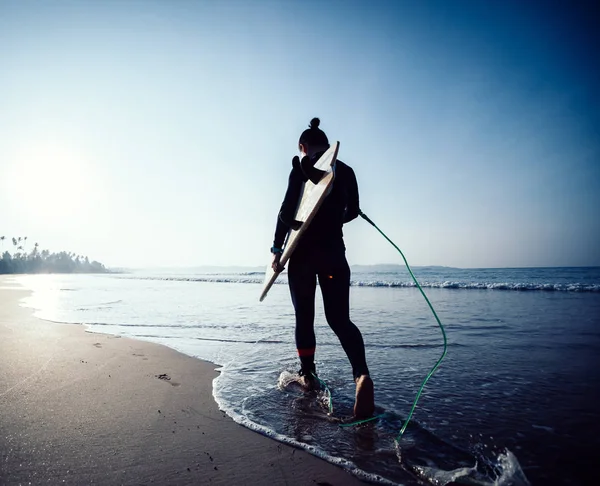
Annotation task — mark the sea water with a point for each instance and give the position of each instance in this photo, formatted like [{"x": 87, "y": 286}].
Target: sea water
[{"x": 515, "y": 401}]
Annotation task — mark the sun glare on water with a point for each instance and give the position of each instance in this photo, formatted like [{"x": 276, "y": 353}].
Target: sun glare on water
[{"x": 49, "y": 183}]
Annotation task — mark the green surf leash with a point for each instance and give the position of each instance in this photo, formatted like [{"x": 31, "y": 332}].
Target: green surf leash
[
  {"x": 324, "y": 385},
  {"x": 330, "y": 405},
  {"x": 435, "y": 367},
  {"x": 363, "y": 421},
  {"x": 437, "y": 364}
]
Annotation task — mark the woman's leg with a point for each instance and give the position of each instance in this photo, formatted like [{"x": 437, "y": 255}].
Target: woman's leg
[
  {"x": 334, "y": 279},
  {"x": 303, "y": 282}
]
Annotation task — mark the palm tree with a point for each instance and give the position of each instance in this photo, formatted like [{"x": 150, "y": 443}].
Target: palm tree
[
  {"x": 25, "y": 242},
  {"x": 2, "y": 238}
]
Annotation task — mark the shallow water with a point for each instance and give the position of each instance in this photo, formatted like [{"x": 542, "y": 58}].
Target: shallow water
[{"x": 514, "y": 401}]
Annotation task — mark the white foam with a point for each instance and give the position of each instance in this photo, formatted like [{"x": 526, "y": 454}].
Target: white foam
[
  {"x": 338, "y": 461},
  {"x": 507, "y": 466},
  {"x": 511, "y": 473},
  {"x": 441, "y": 477}
]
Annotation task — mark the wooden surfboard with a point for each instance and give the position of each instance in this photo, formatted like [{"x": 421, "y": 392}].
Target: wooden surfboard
[{"x": 310, "y": 201}]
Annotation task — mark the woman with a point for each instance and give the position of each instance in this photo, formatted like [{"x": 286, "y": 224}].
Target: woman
[{"x": 321, "y": 254}]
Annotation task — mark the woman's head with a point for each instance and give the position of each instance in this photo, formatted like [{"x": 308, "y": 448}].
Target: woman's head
[{"x": 313, "y": 140}]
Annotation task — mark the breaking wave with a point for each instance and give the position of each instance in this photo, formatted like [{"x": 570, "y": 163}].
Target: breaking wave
[
  {"x": 575, "y": 287},
  {"x": 516, "y": 286}
]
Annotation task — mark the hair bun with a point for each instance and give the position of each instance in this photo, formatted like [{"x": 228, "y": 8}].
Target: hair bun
[{"x": 314, "y": 123}]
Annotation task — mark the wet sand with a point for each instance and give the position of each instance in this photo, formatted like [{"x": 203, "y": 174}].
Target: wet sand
[{"x": 81, "y": 408}]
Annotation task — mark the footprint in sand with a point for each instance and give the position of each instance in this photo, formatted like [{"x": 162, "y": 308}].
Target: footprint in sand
[{"x": 166, "y": 378}]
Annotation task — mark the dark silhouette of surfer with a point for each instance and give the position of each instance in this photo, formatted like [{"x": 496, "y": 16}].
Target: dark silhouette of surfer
[{"x": 321, "y": 254}]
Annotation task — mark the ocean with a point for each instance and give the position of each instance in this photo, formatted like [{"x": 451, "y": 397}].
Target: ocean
[{"x": 514, "y": 402}]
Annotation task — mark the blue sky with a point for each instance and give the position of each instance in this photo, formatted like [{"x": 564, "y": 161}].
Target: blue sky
[{"x": 161, "y": 133}]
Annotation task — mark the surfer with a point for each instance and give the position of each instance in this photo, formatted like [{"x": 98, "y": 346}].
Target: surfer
[{"x": 321, "y": 254}]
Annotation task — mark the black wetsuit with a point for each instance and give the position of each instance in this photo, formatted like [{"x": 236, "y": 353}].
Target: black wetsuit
[{"x": 321, "y": 253}]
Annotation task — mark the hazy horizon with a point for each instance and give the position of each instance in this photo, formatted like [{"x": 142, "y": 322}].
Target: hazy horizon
[
  {"x": 155, "y": 134},
  {"x": 352, "y": 266}
]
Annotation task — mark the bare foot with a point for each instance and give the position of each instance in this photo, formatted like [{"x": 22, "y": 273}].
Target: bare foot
[{"x": 365, "y": 397}]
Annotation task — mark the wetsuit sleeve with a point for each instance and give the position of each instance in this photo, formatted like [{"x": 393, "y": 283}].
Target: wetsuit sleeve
[
  {"x": 352, "y": 205},
  {"x": 285, "y": 218}
]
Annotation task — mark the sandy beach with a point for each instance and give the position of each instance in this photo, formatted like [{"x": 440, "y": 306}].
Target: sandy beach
[{"x": 82, "y": 408}]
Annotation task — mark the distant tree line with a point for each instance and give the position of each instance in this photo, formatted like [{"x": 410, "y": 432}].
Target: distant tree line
[{"x": 37, "y": 261}]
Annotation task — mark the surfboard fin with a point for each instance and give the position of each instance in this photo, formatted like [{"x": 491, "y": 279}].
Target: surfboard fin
[
  {"x": 295, "y": 224},
  {"x": 309, "y": 171}
]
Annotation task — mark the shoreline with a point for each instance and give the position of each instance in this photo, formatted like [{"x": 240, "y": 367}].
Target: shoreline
[{"x": 81, "y": 407}]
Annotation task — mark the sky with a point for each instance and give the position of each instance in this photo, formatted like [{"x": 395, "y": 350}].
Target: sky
[{"x": 161, "y": 133}]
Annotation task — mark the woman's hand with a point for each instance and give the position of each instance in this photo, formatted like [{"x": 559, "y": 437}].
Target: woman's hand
[{"x": 276, "y": 266}]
